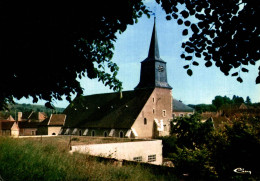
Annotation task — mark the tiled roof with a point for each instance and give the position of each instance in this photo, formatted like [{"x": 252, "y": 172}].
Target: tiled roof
[
  {"x": 57, "y": 119},
  {"x": 106, "y": 110},
  {"x": 178, "y": 106},
  {"x": 54, "y": 120}
]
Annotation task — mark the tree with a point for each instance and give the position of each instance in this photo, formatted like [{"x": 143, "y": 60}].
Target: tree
[
  {"x": 45, "y": 46},
  {"x": 224, "y": 32},
  {"x": 237, "y": 100},
  {"x": 236, "y": 146},
  {"x": 248, "y": 100},
  {"x": 219, "y": 101},
  {"x": 191, "y": 132}
]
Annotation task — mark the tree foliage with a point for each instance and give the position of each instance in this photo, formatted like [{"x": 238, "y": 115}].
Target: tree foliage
[
  {"x": 205, "y": 153},
  {"x": 200, "y": 108},
  {"x": 191, "y": 132},
  {"x": 219, "y": 101},
  {"x": 46, "y": 45},
  {"x": 223, "y": 32}
]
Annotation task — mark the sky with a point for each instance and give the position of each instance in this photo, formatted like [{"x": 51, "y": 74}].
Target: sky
[{"x": 132, "y": 46}]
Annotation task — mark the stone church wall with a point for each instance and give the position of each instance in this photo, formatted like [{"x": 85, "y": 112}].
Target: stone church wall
[{"x": 158, "y": 107}]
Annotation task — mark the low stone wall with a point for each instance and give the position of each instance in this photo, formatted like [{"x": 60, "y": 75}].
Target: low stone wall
[{"x": 143, "y": 151}]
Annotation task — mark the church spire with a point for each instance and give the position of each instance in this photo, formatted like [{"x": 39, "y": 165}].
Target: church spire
[
  {"x": 154, "y": 48},
  {"x": 153, "y": 68}
]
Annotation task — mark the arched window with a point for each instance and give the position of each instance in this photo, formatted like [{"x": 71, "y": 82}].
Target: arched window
[
  {"x": 105, "y": 134},
  {"x": 92, "y": 133},
  {"x": 145, "y": 121},
  {"x": 121, "y": 134}
]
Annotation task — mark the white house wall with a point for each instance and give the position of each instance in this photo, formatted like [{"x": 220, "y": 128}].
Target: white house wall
[{"x": 125, "y": 151}]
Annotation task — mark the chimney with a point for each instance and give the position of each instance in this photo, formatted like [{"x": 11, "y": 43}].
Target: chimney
[{"x": 19, "y": 116}]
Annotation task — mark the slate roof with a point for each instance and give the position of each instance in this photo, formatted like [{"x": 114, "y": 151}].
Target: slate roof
[
  {"x": 106, "y": 110},
  {"x": 178, "y": 106}
]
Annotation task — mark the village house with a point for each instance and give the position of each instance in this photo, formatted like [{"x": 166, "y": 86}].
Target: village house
[
  {"x": 144, "y": 112},
  {"x": 52, "y": 125},
  {"x": 31, "y": 124},
  {"x": 180, "y": 110},
  {"x": 32, "y": 116},
  {"x": 9, "y": 128}
]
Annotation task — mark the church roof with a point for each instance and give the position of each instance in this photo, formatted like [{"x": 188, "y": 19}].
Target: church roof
[
  {"x": 106, "y": 110},
  {"x": 178, "y": 106}
]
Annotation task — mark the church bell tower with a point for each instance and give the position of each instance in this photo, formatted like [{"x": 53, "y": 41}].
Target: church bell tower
[{"x": 153, "y": 68}]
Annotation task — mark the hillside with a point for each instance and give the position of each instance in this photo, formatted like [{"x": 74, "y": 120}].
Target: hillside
[{"x": 15, "y": 108}]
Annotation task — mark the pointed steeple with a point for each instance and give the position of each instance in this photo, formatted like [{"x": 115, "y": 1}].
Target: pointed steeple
[
  {"x": 153, "y": 68},
  {"x": 154, "y": 48}
]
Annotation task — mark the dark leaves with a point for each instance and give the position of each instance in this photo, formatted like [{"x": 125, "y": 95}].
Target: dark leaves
[
  {"x": 180, "y": 22},
  {"x": 194, "y": 28},
  {"x": 252, "y": 62},
  {"x": 185, "y": 14},
  {"x": 244, "y": 70},
  {"x": 189, "y": 72},
  {"x": 48, "y": 105},
  {"x": 235, "y": 74},
  {"x": 222, "y": 31},
  {"x": 195, "y": 63},
  {"x": 185, "y": 32},
  {"x": 257, "y": 81},
  {"x": 198, "y": 55},
  {"x": 187, "y": 23},
  {"x": 188, "y": 58},
  {"x": 239, "y": 79},
  {"x": 186, "y": 66},
  {"x": 208, "y": 64},
  {"x": 189, "y": 50},
  {"x": 168, "y": 17}
]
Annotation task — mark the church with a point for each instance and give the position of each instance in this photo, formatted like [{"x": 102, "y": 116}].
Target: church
[{"x": 144, "y": 112}]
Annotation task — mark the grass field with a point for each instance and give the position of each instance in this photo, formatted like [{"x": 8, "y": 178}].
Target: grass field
[{"x": 48, "y": 159}]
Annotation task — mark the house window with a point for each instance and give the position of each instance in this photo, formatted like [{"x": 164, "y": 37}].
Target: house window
[
  {"x": 93, "y": 133},
  {"x": 105, "y": 134},
  {"x": 138, "y": 159},
  {"x": 151, "y": 158},
  {"x": 121, "y": 134},
  {"x": 153, "y": 110},
  {"x": 33, "y": 132},
  {"x": 145, "y": 121},
  {"x": 153, "y": 99},
  {"x": 164, "y": 113}
]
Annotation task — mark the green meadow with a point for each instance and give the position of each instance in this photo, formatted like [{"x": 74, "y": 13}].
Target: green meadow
[{"x": 49, "y": 159}]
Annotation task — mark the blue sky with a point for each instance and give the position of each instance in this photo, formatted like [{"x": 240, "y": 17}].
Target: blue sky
[{"x": 132, "y": 47}]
